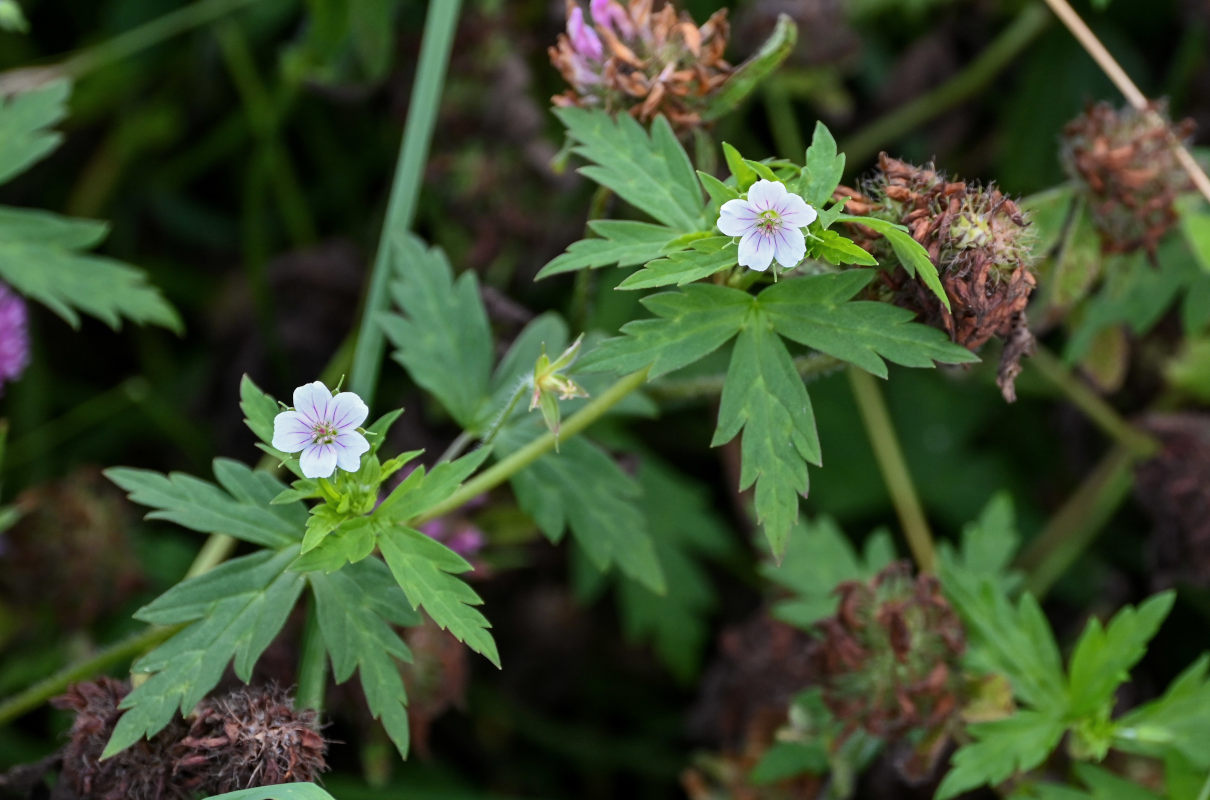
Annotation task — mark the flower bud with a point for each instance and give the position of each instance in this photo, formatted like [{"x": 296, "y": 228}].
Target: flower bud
[{"x": 551, "y": 385}]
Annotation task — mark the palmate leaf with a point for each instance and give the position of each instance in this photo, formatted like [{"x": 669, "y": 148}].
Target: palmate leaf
[
  {"x": 239, "y": 508},
  {"x": 24, "y": 122},
  {"x": 442, "y": 336},
  {"x": 816, "y": 311},
  {"x": 583, "y": 489},
  {"x": 765, "y": 397},
  {"x": 652, "y": 173},
  {"x": 40, "y": 257},
  {"x": 1177, "y": 722},
  {"x": 233, "y": 611},
  {"x": 1001, "y": 749},
  {"x": 623, "y": 243},
  {"x": 357, "y": 608}
]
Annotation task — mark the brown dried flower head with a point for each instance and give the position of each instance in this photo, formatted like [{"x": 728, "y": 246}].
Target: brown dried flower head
[
  {"x": 980, "y": 242},
  {"x": 640, "y": 61},
  {"x": 252, "y": 736},
  {"x": 1127, "y": 164},
  {"x": 140, "y": 772},
  {"x": 887, "y": 662}
]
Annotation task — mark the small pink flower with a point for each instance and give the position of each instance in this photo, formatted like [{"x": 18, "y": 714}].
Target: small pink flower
[
  {"x": 769, "y": 224},
  {"x": 583, "y": 38},
  {"x": 608, "y": 14},
  {"x": 324, "y": 429}
]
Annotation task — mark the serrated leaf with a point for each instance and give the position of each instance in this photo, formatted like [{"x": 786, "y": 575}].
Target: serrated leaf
[
  {"x": 1002, "y": 748},
  {"x": 24, "y": 122},
  {"x": 743, "y": 174},
  {"x": 689, "y": 531},
  {"x": 690, "y": 324},
  {"x": 281, "y": 791},
  {"x": 815, "y": 310},
  {"x": 40, "y": 258},
  {"x": 1177, "y": 722},
  {"x": 622, "y": 243},
  {"x": 830, "y": 246},
  {"x": 988, "y": 544},
  {"x": 582, "y": 489},
  {"x": 818, "y": 557},
  {"x": 422, "y": 490},
  {"x": 822, "y": 168},
  {"x": 426, "y": 571},
  {"x": 719, "y": 192},
  {"x": 704, "y": 258},
  {"x": 765, "y": 397},
  {"x": 914, "y": 258},
  {"x": 1104, "y": 655},
  {"x": 243, "y": 511},
  {"x": 442, "y": 337},
  {"x": 356, "y": 609},
  {"x": 376, "y": 433},
  {"x": 233, "y": 611},
  {"x": 652, "y": 173}
]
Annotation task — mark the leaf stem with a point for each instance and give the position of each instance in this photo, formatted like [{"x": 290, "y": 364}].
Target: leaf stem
[
  {"x": 505, "y": 469},
  {"x": 977, "y": 75},
  {"x": 523, "y": 387},
  {"x": 894, "y": 468},
  {"x": 1076, "y": 524},
  {"x": 1103, "y": 415},
  {"x": 435, "y": 50},
  {"x": 312, "y": 664},
  {"x": 117, "y": 653}
]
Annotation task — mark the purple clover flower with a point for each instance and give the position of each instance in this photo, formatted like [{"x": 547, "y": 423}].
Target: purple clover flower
[
  {"x": 769, "y": 225},
  {"x": 324, "y": 428},
  {"x": 458, "y": 535},
  {"x": 583, "y": 38},
  {"x": 14, "y": 335},
  {"x": 608, "y": 14}
]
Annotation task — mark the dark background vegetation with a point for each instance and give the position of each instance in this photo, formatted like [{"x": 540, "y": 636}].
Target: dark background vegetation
[{"x": 246, "y": 165}]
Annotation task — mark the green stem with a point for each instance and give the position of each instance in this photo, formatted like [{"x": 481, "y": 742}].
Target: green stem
[
  {"x": 1076, "y": 524},
  {"x": 680, "y": 389},
  {"x": 492, "y": 430},
  {"x": 401, "y": 207},
  {"x": 313, "y": 664},
  {"x": 977, "y": 76},
  {"x": 503, "y": 470},
  {"x": 894, "y": 468},
  {"x": 1138, "y": 443},
  {"x": 118, "y": 653},
  {"x": 216, "y": 549},
  {"x": 150, "y": 34}
]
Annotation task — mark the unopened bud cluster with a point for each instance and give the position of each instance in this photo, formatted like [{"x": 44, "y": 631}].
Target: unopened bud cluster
[
  {"x": 629, "y": 58},
  {"x": 1126, "y": 163}
]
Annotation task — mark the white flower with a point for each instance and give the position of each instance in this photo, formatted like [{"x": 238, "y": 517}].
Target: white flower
[
  {"x": 324, "y": 428},
  {"x": 769, "y": 225}
]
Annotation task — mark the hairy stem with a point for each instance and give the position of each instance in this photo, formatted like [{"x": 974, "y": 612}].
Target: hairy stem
[
  {"x": 975, "y": 77},
  {"x": 503, "y": 470},
  {"x": 435, "y": 50},
  {"x": 1076, "y": 524},
  {"x": 894, "y": 468},
  {"x": 117, "y": 653},
  {"x": 1138, "y": 443}
]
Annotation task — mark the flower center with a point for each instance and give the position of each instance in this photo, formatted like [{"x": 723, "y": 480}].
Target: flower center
[
  {"x": 768, "y": 221},
  {"x": 323, "y": 433}
]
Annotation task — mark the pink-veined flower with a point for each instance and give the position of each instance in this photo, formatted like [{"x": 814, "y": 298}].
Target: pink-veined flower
[
  {"x": 769, "y": 223},
  {"x": 324, "y": 428}
]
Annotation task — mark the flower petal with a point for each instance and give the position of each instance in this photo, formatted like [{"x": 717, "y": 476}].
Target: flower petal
[
  {"x": 311, "y": 400},
  {"x": 755, "y": 251},
  {"x": 350, "y": 446},
  {"x": 291, "y": 432},
  {"x": 796, "y": 212},
  {"x": 766, "y": 194},
  {"x": 736, "y": 217},
  {"x": 347, "y": 411},
  {"x": 789, "y": 247},
  {"x": 318, "y": 461}
]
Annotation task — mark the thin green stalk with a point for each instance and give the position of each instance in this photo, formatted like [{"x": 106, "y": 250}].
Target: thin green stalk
[
  {"x": 503, "y": 470},
  {"x": 115, "y": 654},
  {"x": 149, "y": 34},
  {"x": 809, "y": 366},
  {"x": 496, "y": 424},
  {"x": 312, "y": 665},
  {"x": 1076, "y": 524},
  {"x": 401, "y": 207},
  {"x": 891, "y": 463},
  {"x": 974, "y": 78},
  {"x": 1138, "y": 443}
]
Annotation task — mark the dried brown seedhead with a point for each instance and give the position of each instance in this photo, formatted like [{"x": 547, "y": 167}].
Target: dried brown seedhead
[
  {"x": 628, "y": 58},
  {"x": 979, "y": 240},
  {"x": 1126, "y": 161}
]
